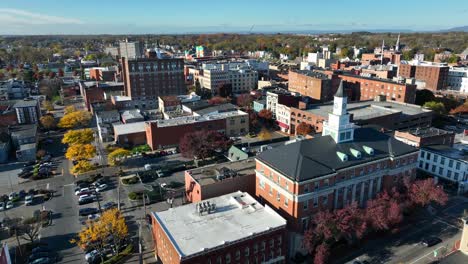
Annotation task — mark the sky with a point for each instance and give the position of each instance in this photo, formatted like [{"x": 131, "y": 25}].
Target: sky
[{"x": 33, "y": 17}]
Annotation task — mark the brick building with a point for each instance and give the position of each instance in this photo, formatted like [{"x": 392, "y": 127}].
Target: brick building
[
  {"x": 147, "y": 78},
  {"x": 367, "y": 88},
  {"x": 344, "y": 165},
  {"x": 220, "y": 179},
  {"x": 434, "y": 75},
  {"x": 425, "y": 136},
  {"x": 232, "y": 228},
  {"x": 167, "y": 133},
  {"x": 386, "y": 114},
  {"x": 315, "y": 85},
  {"x": 102, "y": 74},
  {"x": 132, "y": 134}
]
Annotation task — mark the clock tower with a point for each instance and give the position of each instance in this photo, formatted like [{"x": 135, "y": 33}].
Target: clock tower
[{"x": 338, "y": 125}]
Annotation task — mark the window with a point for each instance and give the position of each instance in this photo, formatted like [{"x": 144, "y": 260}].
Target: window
[
  {"x": 426, "y": 166},
  {"x": 315, "y": 201},
  {"x": 271, "y": 191},
  {"x": 433, "y": 168},
  {"x": 306, "y": 204},
  {"x": 428, "y": 157},
  {"x": 286, "y": 184},
  {"x": 442, "y": 160},
  {"x": 247, "y": 251},
  {"x": 272, "y": 254},
  {"x": 455, "y": 176},
  {"x": 306, "y": 188},
  {"x": 422, "y": 154},
  {"x": 280, "y": 240},
  {"x": 449, "y": 173},
  {"x": 441, "y": 170},
  {"x": 286, "y": 202},
  {"x": 255, "y": 248},
  {"x": 325, "y": 200},
  {"x": 263, "y": 245},
  {"x": 278, "y": 196},
  {"x": 228, "y": 258},
  {"x": 261, "y": 183},
  {"x": 326, "y": 182},
  {"x": 305, "y": 223},
  {"x": 316, "y": 185},
  {"x": 218, "y": 260},
  {"x": 457, "y": 166},
  {"x": 420, "y": 164},
  {"x": 436, "y": 158},
  {"x": 450, "y": 163},
  {"x": 272, "y": 242}
]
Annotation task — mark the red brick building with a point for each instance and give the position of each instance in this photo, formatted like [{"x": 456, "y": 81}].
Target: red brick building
[
  {"x": 315, "y": 85},
  {"x": 366, "y": 88},
  {"x": 425, "y": 136},
  {"x": 102, "y": 74},
  {"x": 346, "y": 164},
  {"x": 432, "y": 74},
  {"x": 232, "y": 228},
  {"x": 220, "y": 179}
]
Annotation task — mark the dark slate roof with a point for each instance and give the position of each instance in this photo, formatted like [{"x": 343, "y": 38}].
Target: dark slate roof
[
  {"x": 308, "y": 159},
  {"x": 340, "y": 92}
]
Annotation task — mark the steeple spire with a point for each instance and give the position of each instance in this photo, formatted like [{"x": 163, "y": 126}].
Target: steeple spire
[
  {"x": 340, "y": 92},
  {"x": 397, "y": 46}
]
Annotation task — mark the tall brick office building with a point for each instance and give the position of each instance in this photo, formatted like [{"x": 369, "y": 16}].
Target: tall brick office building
[
  {"x": 316, "y": 85},
  {"x": 344, "y": 165},
  {"x": 433, "y": 74},
  {"x": 147, "y": 78}
]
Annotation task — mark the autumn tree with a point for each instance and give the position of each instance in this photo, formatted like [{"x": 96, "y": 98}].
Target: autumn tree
[
  {"x": 217, "y": 100},
  {"x": 48, "y": 122},
  {"x": 81, "y": 167},
  {"x": 79, "y": 136},
  {"x": 321, "y": 254},
  {"x": 352, "y": 223},
  {"x": 75, "y": 119},
  {"x": 265, "y": 114},
  {"x": 423, "y": 192},
  {"x": 114, "y": 157},
  {"x": 244, "y": 101},
  {"x": 48, "y": 105},
  {"x": 203, "y": 144},
  {"x": 383, "y": 212},
  {"x": 264, "y": 134},
  {"x": 304, "y": 129},
  {"x": 69, "y": 109},
  {"x": 80, "y": 152},
  {"x": 31, "y": 228},
  {"x": 96, "y": 233}
]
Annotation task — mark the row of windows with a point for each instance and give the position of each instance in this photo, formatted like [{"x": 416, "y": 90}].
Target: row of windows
[
  {"x": 440, "y": 171},
  {"x": 435, "y": 158}
]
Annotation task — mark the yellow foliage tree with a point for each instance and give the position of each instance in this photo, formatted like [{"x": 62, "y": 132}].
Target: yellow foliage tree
[
  {"x": 80, "y": 136},
  {"x": 48, "y": 122},
  {"x": 75, "y": 119},
  {"x": 95, "y": 234},
  {"x": 80, "y": 152},
  {"x": 116, "y": 154},
  {"x": 81, "y": 167},
  {"x": 48, "y": 105},
  {"x": 264, "y": 134},
  {"x": 69, "y": 109}
]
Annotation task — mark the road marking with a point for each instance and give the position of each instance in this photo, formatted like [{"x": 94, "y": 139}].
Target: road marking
[
  {"x": 69, "y": 184},
  {"x": 47, "y": 186},
  {"x": 429, "y": 253}
]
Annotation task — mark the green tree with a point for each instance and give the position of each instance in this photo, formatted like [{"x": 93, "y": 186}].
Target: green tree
[{"x": 437, "y": 107}]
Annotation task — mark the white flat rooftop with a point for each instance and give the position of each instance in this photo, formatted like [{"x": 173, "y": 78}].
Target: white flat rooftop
[
  {"x": 130, "y": 128},
  {"x": 237, "y": 216}
]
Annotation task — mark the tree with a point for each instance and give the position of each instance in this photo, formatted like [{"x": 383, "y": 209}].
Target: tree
[
  {"x": 80, "y": 136},
  {"x": 81, "y": 167},
  {"x": 304, "y": 129},
  {"x": 48, "y": 122},
  {"x": 345, "y": 52},
  {"x": 48, "y": 105},
  {"x": 69, "y": 109},
  {"x": 31, "y": 228},
  {"x": 264, "y": 134},
  {"x": 265, "y": 114},
  {"x": 80, "y": 152},
  {"x": 424, "y": 96},
  {"x": 96, "y": 233},
  {"x": 244, "y": 101},
  {"x": 352, "y": 223},
  {"x": 437, "y": 107},
  {"x": 217, "y": 100},
  {"x": 75, "y": 119},
  {"x": 423, "y": 192},
  {"x": 203, "y": 144},
  {"x": 383, "y": 212},
  {"x": 321, "y": 254},
  {"x": 116, "y": 154}
]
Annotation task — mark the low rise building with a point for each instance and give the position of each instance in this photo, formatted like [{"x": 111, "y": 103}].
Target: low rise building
[
  {"x": 457, "y": 79},
  {"x": 24, "y": 139},
  {"x": 28, "y": 111},
  {"x": 386, "y": 114},
  {"x": 259, "y": 105},
  {"x": 233, "y": 228},
  {"x": 132, "y": 116},
  {"x": 447, "y": 164},
  {"x": 132, "y": 134},
  {"x": 220, "y": 179},
  {"x": 104, "y": 121},
  {"x": 280, "y": 96},
  {"x": 425, "y": 136},
  {"x": 432, "y": 76},
  {"x": 13, "y": 89}
]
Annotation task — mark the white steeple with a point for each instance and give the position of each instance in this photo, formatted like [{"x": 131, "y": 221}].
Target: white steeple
[
  {"x": 338, "y": 125},
  {"x": 397, "y": 46}
]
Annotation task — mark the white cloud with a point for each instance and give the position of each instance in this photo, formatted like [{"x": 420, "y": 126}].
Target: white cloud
[{"x": 10, "y": 16}]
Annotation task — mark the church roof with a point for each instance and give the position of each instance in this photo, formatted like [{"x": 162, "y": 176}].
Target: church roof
[{"x": 340, "y": 92}]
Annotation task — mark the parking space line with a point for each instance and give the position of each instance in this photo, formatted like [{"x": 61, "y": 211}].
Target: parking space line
[{"x": 444, "y": 222}]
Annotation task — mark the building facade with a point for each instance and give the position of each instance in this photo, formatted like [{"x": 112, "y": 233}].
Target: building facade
[
  {"x": 131, "y": 49},
  {"x": 315, "y": 85},
  {"x": 446, "y": 163},
  {"x": 347, "y": 165},
  {"x": 434, "y": 75},
  {"x": 279, "y": 96},
  {"x": 458, "y": 79},
  {"x": 425, "y": 136},
  {"x": 147, "y": 78},
  {"x": 28, "y": 111},
  {"x": 233, "y": 228}
]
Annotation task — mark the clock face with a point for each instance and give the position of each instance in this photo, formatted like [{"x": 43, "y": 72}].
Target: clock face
[{"x": 335, "y": 105}]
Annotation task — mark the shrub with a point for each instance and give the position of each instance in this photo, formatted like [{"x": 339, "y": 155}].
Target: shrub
[
  {"x": 115, "y": 259},
  {"x": 135, "y": 196}
]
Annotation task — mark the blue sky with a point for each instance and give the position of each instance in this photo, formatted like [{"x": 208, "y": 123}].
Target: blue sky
[{"x": 185, "y": 16}]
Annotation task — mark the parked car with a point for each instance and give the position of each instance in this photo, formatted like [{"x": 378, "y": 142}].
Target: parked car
[
  {"x": 163, "y": 185},
  {"x": 41, "y": 261},
  {"x": 28, "y": 200},
  {"x": 2, "y": 206},
  {"x": 13, "y": 196},
  {"x": 108, "y": 205},
  {"x": 94, "y": 216},
  {"x": 160, "y": 173},
  {"x": 9, "y": 205},
  {"x": 101, "y": 187},
  {"x": 86, "y": 200},
  {"x": 82, "y": 191},
  {"x": 87, "y": 211},
  {"x": 38, "y": 255},
  {"x": 431, "y": 241}
]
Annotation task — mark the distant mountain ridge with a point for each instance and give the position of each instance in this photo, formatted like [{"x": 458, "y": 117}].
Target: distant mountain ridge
[{"x": 462, "y": 28}]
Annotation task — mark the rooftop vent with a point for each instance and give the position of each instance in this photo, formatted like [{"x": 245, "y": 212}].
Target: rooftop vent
[
  {"x": 205, "y": 207},
  {"x": 224, "y": 173},
  {"x": 343, "y": 157},
  {"x": 356, "y": 153},
  {"x": 368, "y": 150}
]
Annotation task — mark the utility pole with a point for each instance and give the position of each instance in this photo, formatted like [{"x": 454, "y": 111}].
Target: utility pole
[{"x": 118, "y": 189}]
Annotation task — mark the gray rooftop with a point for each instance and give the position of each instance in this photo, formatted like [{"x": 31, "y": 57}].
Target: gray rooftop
[
  {"x": 458, "y": 153},
  {"x": 209, "y": 174},
  {"x": 131, "y": 114},
  {"x": 370, "y": 109},
  {"x": 424, "y": 132},
  {"x": 123, "y": 129},
  {"x": 23, "y": 131},
  {"x": 238, "y": 216},
  {"x": 312, "y": 158},
  {"x": 26, "y": 103},
  {"x": 216, "y": 108}
]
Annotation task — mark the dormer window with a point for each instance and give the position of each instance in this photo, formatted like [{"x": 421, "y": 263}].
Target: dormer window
[
  {"x": 368, "y": 150},
  {"x": 356, "y": 153},
  {"x": 343, "y": 157}
]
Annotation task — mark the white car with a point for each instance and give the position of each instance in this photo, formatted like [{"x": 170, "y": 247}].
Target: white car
[
  {"x": 9, "y": 205},
  {"x": 2, "y": 206},
  {"x": 87, "y": 196},
  {"x": 91, "y": 255},
  {"x": 93, "y": 216},
  {"x": 163, "y": 185},
  {"x": 82, "y": 190},
  {"x": 12, "y": 196},
  {"x": 101, "y": 187},
  {"x": 28, "y": 200}
]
